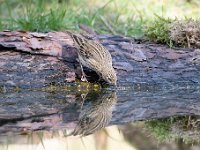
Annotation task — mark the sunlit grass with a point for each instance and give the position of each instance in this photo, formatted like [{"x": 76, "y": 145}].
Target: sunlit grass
[
  {"x": 107, "y": 16},
  {"x": 33, "y": 21}
]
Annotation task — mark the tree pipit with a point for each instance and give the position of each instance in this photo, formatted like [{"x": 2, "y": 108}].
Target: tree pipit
[{"x": 95, "y": 56}]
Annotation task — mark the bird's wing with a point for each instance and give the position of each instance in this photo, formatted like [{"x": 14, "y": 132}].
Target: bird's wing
[{"x": 90, "y": 49}]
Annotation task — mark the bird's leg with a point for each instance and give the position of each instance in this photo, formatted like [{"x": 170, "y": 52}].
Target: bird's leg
[
  {"x": 83, "y": 97},
  {"x": 83, "y": 76}
]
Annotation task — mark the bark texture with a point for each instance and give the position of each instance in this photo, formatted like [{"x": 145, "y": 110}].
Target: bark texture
[{"x": 29, "y": 59}]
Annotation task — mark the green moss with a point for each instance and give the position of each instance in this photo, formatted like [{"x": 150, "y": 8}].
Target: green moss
[
  {"x": 81, "y": 87},
  {"x": 173, "y": 128},
  {"x": 159, "y": 129},
  {"x": 183, "y": 33},
  {"x": 158, "y": 30}
]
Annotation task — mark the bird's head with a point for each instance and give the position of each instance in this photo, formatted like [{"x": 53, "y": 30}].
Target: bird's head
[{"x": 109, "y": 75}]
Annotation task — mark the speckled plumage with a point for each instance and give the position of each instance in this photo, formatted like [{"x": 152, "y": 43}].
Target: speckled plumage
[
  {"x": 96, "y": 116},
  {"x": 96, "y": 57}
]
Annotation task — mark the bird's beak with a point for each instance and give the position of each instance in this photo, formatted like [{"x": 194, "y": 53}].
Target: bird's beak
[{"x": 113, "y": 84}]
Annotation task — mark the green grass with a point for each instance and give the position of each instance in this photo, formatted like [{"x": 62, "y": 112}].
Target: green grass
[
  {"x": 107, "y": 16},
  {"x": 1, "y": 25},
  {"x": 33, "y": 21},
  {"x": 34, "y": 16}
]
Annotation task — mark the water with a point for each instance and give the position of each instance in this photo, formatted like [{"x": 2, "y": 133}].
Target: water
[{"x": 139, "y": 117}]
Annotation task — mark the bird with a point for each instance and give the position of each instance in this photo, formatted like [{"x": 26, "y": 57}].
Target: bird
[
  {"x": 97, "y": 115},
  {"x": 94, "y": 56}
]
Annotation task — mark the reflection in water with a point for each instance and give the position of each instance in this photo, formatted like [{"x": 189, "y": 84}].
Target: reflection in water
[
  {"x": 97, "y": 114},
  {"x": 171, "y": 133},
  {"x": 182, "y": 128},
  {"x": 107, "y": 139}
]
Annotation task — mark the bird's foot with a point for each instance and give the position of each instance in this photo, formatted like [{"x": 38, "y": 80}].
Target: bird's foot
[{"x": 83, "y": 78}]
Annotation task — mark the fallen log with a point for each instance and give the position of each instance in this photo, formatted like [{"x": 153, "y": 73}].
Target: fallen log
[{"x": 31, "y": 60}]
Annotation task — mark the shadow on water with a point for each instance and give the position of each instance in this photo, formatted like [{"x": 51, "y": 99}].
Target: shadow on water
[{"x": 160, "y": 116}]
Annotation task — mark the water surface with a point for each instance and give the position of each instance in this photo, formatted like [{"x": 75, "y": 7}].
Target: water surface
[{"x": 128, "y": 117}]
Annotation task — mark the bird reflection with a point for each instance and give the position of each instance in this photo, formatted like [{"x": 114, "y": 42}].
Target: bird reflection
[{"x": 97, "y": 115}]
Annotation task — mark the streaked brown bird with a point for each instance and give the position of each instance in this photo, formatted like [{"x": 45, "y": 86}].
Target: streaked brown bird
[
  {"x": 97, "y": 115},
  {"x": 95, "y": 56}
]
